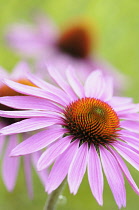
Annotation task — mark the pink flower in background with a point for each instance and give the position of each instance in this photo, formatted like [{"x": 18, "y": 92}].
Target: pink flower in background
[
  {"x": 10, "y": 165},
  {"x": 84, "y": 127},
  {"x": 76, "y": 45}
]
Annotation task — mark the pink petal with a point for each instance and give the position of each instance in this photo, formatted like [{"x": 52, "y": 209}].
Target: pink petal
[
  {"x": 20, "y": 69},
  {"x": 125, "y": 170},
  {"x": 129, "y": 134},
  {"x": 28, "y": 113},
  {"x": 28, "y": 175},
  {"x": 2, "y": 140},
  {"x": 37, "y": 141},
  {"x": 58, "y": 173},
  {"x": 10, "y": 165},
  {"x": 47, "y": 86},
  {"x": 34, "y": 91},
  {"x": 24, "y": 38},
  {"x": 130, "y": 155},
  {"x": 130, "y": 125},
  {"x": 130, "y": 140},
  {"x": 43, "y": 175},
  {"x": 77, "y": 168},
  {"x": 75, "y": 83},
  {"x": 127, "y": 109},
  {"x": 53, "y": 151},
  {"x": 28, "y": 125},
  {"x": 108, "y": 89},
  {"x": 132, "y": 116},
  {"x": 30, "y": 102},
  {"x": 124, "y": 108},
  {"x": 114, "y": 176},
  {"x": 95, "y": 174},
  {"x": 94, "y": 84},
  {"x": 118, "y": 101},
  {"x": 57, "y": 77}
]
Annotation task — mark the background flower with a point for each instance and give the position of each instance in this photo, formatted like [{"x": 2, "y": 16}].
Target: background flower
[{"x": 76, "y": 45}]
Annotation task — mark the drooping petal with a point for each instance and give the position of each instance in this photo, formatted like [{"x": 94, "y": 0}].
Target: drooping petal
[
  {"x": 37, "y": 141},
  {"x": 28, "y": 125},
  {"x": 43, "y": 174},
  {"x": 95, "y": 174},
  {"x": 2, "y": 140},
  {"x": 114, "y": 176},
  {"x": 77, "y": 168},
  {"x": 10, "y": 165},
  {"x": 28, "y": 175},
  {"x": 58, "y": 173},
  {"x": 53, "y": 151},
  {"x": 30, "y": 102},
  {"x": 125, "y": 170}
]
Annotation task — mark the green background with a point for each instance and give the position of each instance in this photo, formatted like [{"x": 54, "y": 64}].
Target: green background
[{"x": 118, "y": 25}]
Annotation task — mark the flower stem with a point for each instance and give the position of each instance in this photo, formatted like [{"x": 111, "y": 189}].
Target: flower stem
[{"x": 52, "y": 199}]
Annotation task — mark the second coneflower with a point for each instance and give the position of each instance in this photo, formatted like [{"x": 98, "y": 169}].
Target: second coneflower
[
  {"x": 10, "y": 165},
  {"x": 83, "y": 126},
  {"x": 76, "y": 43}
]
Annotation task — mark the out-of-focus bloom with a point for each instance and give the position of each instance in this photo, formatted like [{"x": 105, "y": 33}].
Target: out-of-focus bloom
[
  {"x": 83, "y": 127},
  {"x": 75, "y": 45},
  {"x": 10, "y": 165}
]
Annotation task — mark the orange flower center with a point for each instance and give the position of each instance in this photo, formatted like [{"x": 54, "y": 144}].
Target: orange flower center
[
  {"x": 77, "y": 40},
  {"x": 91, "y": 120}
]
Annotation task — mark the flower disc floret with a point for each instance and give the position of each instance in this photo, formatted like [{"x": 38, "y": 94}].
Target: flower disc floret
[{"x": 91, "y": 120}]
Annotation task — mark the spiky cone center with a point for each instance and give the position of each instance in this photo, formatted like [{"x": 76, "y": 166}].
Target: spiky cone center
[
  {"x": 91, "y": 120},
  {"x": 77, "y": 40}
]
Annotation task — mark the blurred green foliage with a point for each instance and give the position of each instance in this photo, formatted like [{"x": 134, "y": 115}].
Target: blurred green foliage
[{"x": 118, "y": 24}]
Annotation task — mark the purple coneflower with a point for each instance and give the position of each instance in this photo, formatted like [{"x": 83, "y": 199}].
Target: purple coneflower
[
  {"x": 84, "y": 127},
  {"x": 76, "y": 44},
  {"x": 10, "y": 165}
]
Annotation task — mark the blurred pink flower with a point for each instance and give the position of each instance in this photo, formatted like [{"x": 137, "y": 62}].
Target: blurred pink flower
[
  {"x": 76, "y": 46},
  {"x": 83, "y": 127},
  {"x": 10, "y": 165}
]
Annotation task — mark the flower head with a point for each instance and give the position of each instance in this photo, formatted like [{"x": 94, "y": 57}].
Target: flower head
[
  {"x": 83, "y": 127},
  {"x": 10, "y": 165}
]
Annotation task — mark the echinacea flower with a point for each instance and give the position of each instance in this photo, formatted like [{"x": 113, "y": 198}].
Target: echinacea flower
[
  {"x": 84, "y": 127},
  {"x": 10, "y": 165},
  {"x": 76, "y": 44}
]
